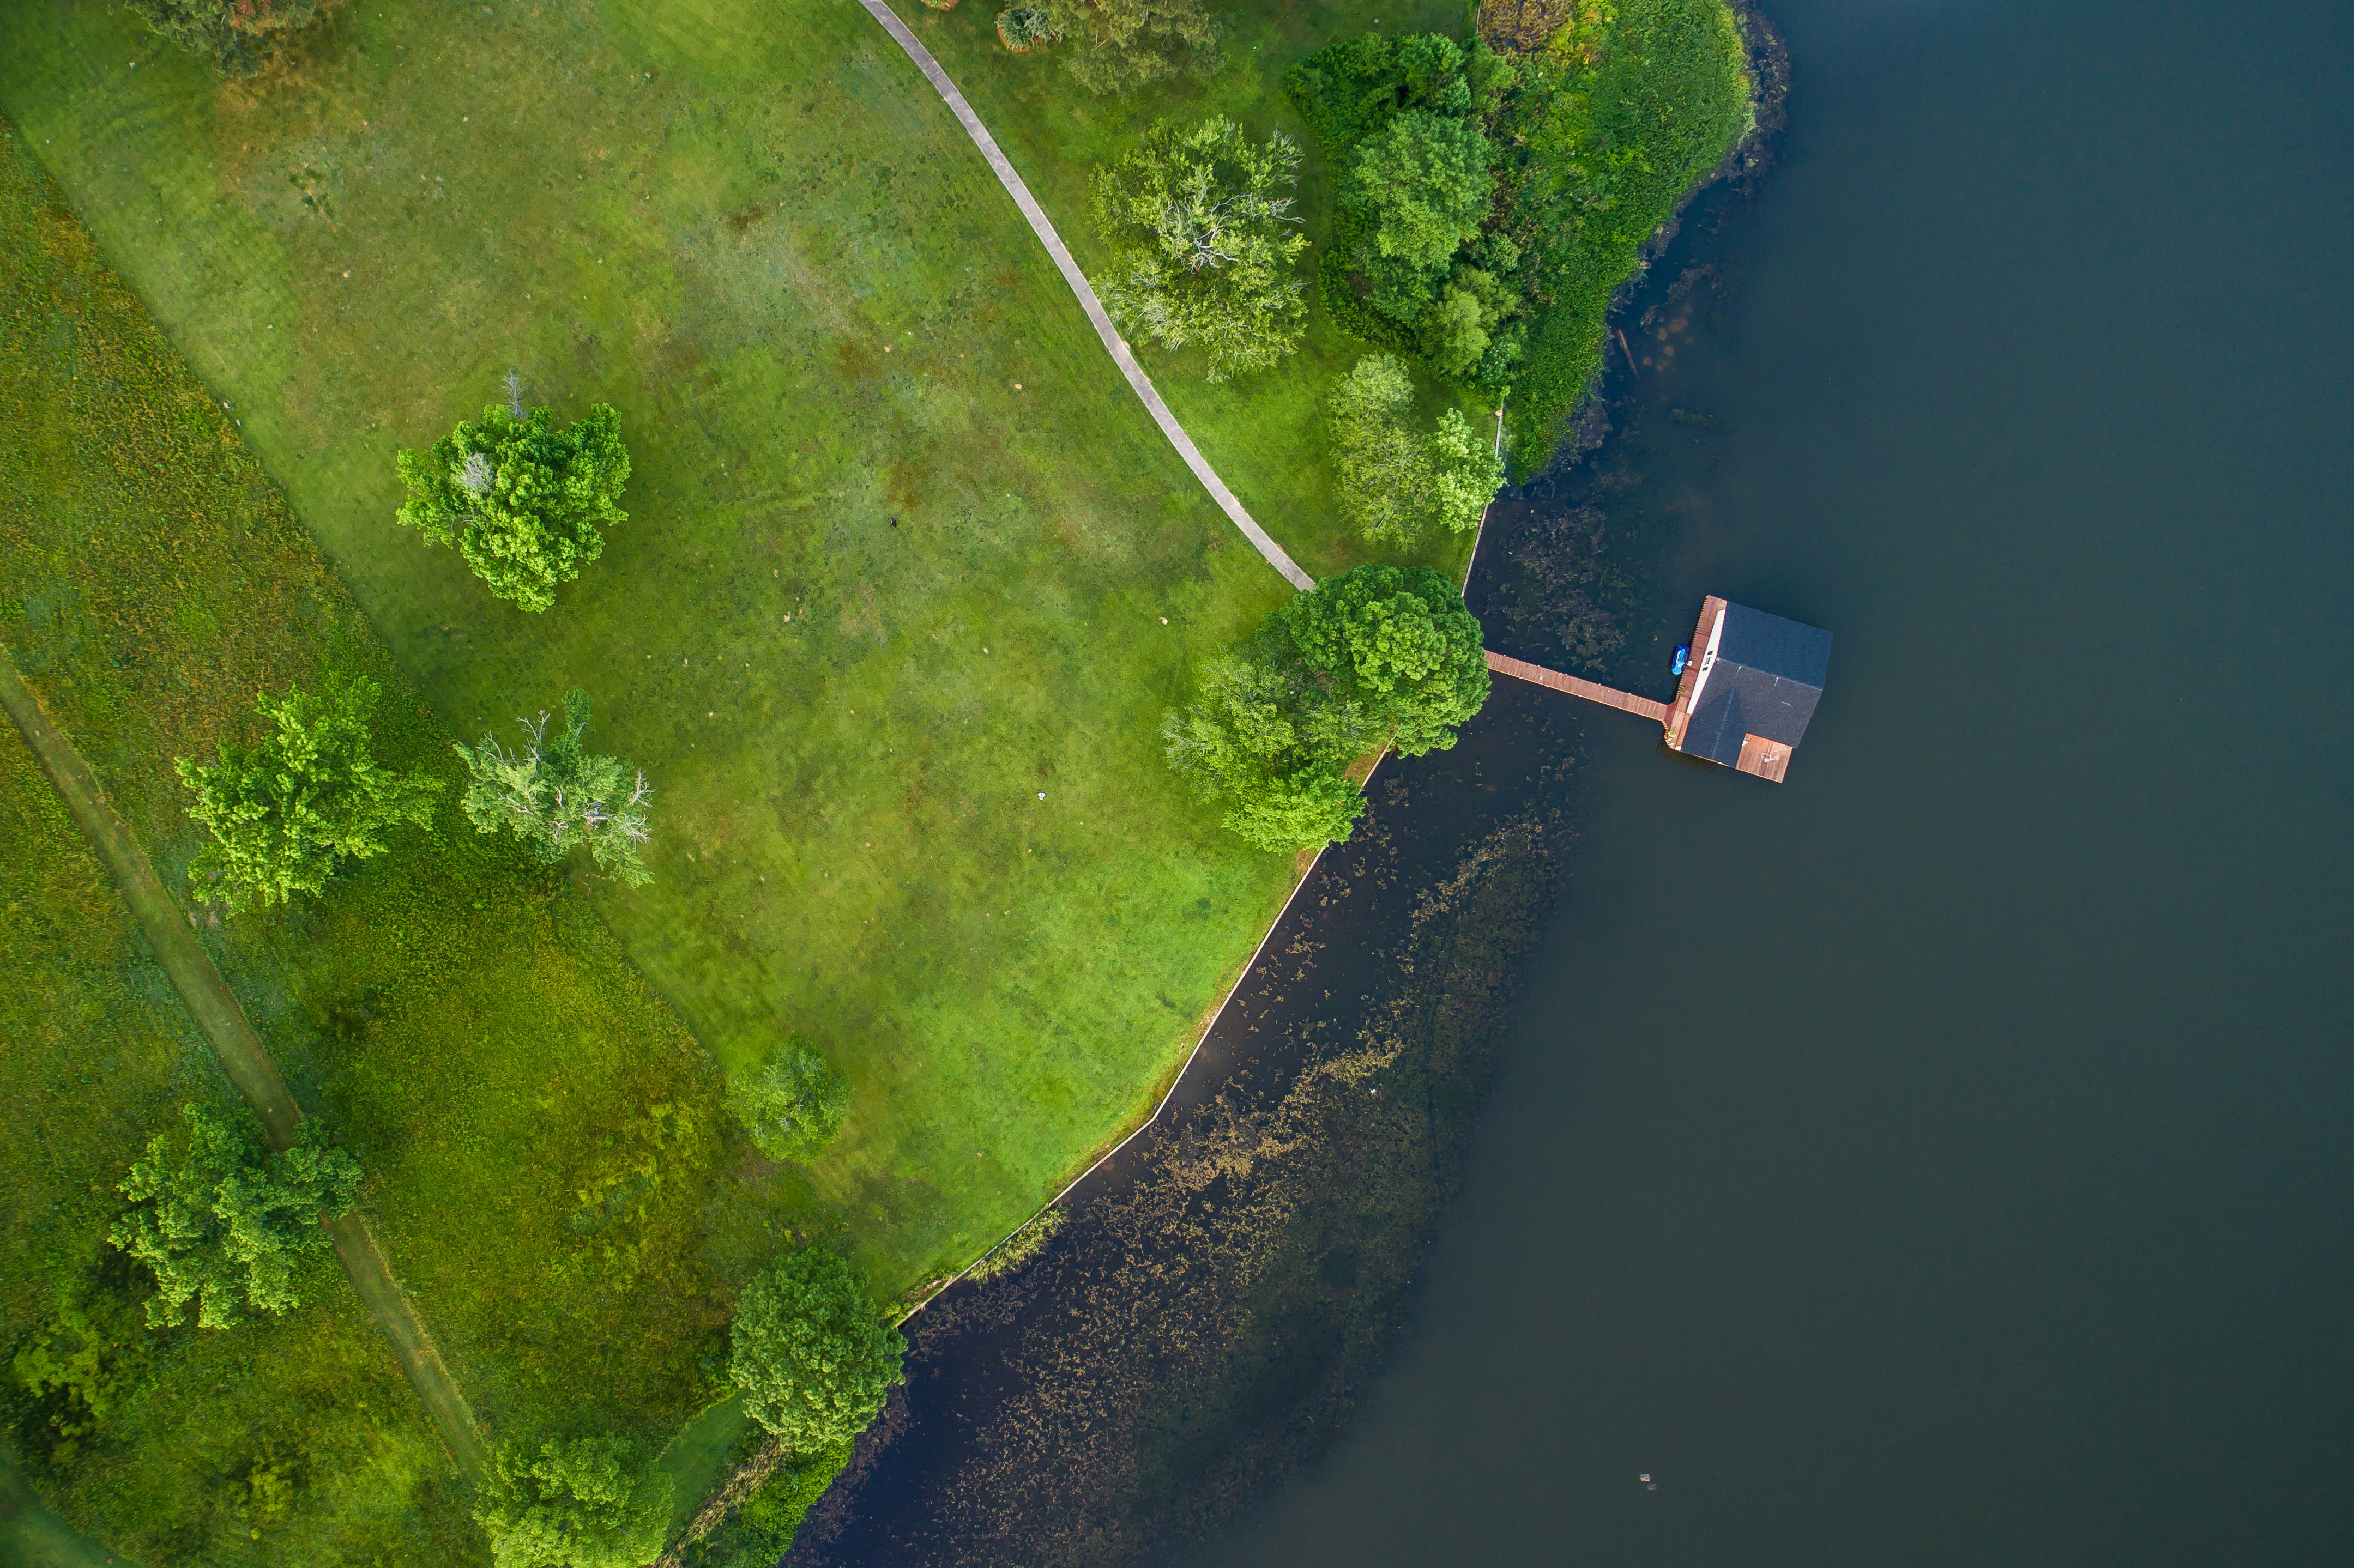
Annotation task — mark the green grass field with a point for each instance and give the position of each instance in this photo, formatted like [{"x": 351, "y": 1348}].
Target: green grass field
[
  {"x": 752, "y": 230},
  {"x": 549, "y": 1166}
]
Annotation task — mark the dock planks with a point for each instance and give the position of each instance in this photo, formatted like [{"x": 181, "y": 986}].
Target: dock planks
[{"x": 1592, "y": 690}]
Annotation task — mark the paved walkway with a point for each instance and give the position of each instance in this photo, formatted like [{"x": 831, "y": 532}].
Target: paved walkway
[
  {"x": 1117, "y": 349},
  {"x": 191, "y": 971}
]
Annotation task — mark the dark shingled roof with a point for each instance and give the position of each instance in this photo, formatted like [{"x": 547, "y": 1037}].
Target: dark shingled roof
[{"x": 1767, "y": 677}]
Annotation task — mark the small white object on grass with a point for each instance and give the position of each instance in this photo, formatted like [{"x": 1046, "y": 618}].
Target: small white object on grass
[{"x": 1042, "y": 794}]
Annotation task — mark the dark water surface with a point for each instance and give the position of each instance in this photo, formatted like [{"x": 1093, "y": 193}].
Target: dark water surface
[{"x": 1945, "y": 1157}]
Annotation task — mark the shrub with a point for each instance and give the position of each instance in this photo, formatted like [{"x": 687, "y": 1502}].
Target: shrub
[
  {"x": 523, "y": 503},
  {"x": 1022, "y": 29},
  {"x": 234, "y": 37},
  {"x": 1116, "y": 45},
  {"x": 581, "y": 1504},
  {"x": 791, "y": 1104},
  {"x": 1205, "y": 244},
  {"x": 281, "y": 816},
  {"x": 222, "y": 1220},
  {"x": 556, "y": 794},
  {"x": 812, "y": 1358}
]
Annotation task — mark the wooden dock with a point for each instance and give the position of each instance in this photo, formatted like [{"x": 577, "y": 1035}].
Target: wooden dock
[
  {"x": 1592, "y": 690},
  {"x": 1764, "y": 655},
  {"x": 1711, "y": 610}
]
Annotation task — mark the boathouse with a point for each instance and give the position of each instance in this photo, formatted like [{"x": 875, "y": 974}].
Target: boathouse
[
  {"x": 1746, "y": 694},
  {"x": 1750, "y": 688}
]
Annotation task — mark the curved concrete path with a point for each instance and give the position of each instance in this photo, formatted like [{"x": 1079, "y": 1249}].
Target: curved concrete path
[
  {"x": 190, "y": 968},
  {"x": 1113, "y": 345}
]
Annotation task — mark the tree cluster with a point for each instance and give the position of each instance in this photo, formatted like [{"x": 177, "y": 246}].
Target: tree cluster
[
  {"x": 220, "y": 1220},
  {"x": 811, "y": 1357},
  {"x": 1493, "y": 194},
  {"x": 282, "y": 815},
  {"x": 525, "y": 503},
  {"x": 1423, "y": 257},
  {"x": 557, "y": 795},
  {"x": 586, "y": 1503},
  {"x": 792, "y": 1104},
  {"x": 233, "y": 37},
  {"x": 1117, "y": 45},
  {"x": 1205, "y": 244},
  {"x": 1396, "y": 483},
  {"x": 1377, "y": 656}
]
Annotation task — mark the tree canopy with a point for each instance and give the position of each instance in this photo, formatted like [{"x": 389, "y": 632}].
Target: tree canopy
[
  {"x": 557, "y": 795},
  {"x": 1379, "y": 655},
  {"x": 280, "y": 816},
  {"x": 813, "y": 1359},
  {"x": 1205, "y": 244},
  {"x": 1118, "y": 45},
  {"x": 1395, "y": 485},
  {"x": 792, "y": 1104},
  {"x": 525, "y": 503},
  {"x": 1423, "y": 182},
  {"x": 578, "y": 1504},
  {"x": 220, "y": 1220}
]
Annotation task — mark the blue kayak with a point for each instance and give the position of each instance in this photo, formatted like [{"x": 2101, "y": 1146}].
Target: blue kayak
[{"x": 1683, "y": 657}]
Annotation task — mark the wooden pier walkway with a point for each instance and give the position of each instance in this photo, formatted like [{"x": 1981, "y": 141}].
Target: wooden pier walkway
[{"x": 1592, "y": 690}]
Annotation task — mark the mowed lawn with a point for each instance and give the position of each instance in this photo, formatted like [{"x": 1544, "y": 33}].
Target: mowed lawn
[
  {"x": 1266, "y": 433},
  {"x": 223, "y": 1448},
  {"x": 909, "y": 580}
]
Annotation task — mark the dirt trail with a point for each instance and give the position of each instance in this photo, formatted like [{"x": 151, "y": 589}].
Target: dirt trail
[{"x": 169, "y": 931}]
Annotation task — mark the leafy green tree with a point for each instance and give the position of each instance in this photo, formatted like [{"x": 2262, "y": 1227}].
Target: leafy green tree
[
  {"x": 1395, "y": 485},
  {"x": 281, "y": 816},
  {"x": 582, "y": 1504},
  {"x": 555, "y": 795},
  {"x": 1205, "y": 244},
  {"x": 1423, "y": 185},
  {"x": 1118, "y": 45},
  {"x": 1397, "y": 644},
  {"x": 1468, "y": 471},
  {"x": 220, "y": 1220},
  {"x": 523, "y": 503},
  {"x": 792, "y": 1104},
  {"x": 1262, "y": 743},
  {"x": 813, "y": 1359},
  {"x": 1379, "y": 655},
  {"x": 233, "y": 37}
]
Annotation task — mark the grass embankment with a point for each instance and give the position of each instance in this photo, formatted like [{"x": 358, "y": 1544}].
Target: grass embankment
[
  {"x": 1265, "y": 433},
  {"x": 549, "y": 1166},
  {"x": 174, "y": 1446},
  {"x": 753, "y": 229}
]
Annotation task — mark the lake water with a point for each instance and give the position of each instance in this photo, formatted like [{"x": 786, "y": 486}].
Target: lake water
[{"x": 1944, "y": 1157}]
